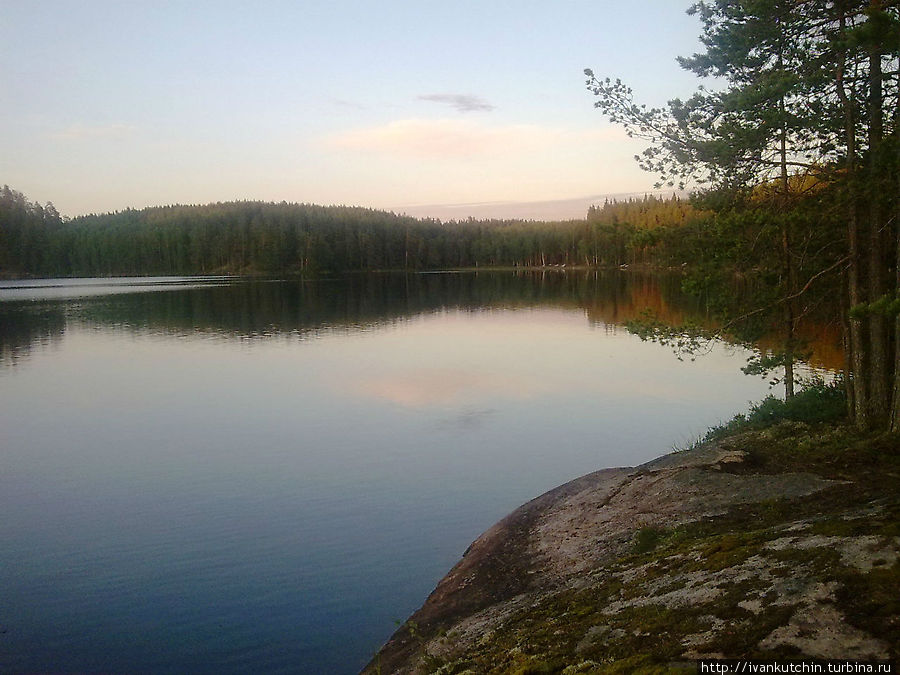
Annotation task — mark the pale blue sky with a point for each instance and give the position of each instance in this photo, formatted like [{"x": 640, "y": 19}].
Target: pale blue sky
[{"x": 409, "y": 106}]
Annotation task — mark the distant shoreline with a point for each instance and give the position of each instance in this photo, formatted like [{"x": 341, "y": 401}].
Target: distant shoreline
[{"x": 225, "y": 274}]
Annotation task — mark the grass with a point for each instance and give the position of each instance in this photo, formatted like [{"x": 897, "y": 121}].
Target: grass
[{"x": 816, "y": 403}]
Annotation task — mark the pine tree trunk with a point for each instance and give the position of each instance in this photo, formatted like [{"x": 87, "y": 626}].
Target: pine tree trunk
[
  {"x": 790, "y": 269},
  {"x": 879, "y": 365},
  {"x": 857, "y": 343},
  {"x": 789, "y": 312},
  {"x": 857, "y": 326},
  {"x": 849, "y": 388},
  {"x": 895, "y": 407}
]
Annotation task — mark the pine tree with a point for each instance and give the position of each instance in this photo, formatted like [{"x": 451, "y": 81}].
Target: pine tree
[{"x": 809, "y": 86}]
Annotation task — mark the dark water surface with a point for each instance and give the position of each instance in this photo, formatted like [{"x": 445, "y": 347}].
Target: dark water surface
[{"x": 223, "y": 476}]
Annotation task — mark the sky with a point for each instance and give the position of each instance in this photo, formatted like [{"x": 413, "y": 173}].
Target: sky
[{"x": 431, "y": 108}]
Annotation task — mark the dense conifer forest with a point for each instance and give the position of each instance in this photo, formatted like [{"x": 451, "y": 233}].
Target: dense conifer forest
[{"x": 267, "y": 238}]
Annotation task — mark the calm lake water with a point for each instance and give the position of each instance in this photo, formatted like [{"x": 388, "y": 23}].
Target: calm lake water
[{"x": 224, "y": 476}]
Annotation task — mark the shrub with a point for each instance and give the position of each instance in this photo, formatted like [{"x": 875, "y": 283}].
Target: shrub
[{"x": 817, "y": 402}]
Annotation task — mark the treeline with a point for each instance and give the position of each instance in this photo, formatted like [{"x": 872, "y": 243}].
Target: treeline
[
  {"x": 805, "y": 109},
  {"x": 267, "y": 238},
  {"x": 29, "y": 234}
]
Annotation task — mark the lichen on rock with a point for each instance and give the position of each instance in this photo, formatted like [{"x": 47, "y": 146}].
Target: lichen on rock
[{"x": 733, "y": 549}]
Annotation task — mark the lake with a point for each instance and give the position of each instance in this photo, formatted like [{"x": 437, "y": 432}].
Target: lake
[{"x": 216, "y": 475}]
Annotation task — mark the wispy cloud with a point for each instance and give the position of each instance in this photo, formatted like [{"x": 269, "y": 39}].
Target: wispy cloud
[
  {"x": 461, "y": 102},
  {"x": 447, "y": 138},
  {"x": 77, "y": 132},
  {"x": 344, "y": 103}
]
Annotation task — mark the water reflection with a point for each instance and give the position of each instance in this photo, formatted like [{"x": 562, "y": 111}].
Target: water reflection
[
  {"x": 45, "y": 292},
  {"x": 23, "y": 328},
  {"x": 262, "y": 476},
  {"x": 216, "y": 307},
  {"x": 441, "y": 386}
]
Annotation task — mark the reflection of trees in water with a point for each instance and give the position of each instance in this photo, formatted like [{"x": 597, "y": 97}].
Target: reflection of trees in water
[
  {"x": 261, "y": 309},
  {"x": 822, "y": 338},
  {"x": 624, "y": 299},
  {"x": 26, "y": 327}
]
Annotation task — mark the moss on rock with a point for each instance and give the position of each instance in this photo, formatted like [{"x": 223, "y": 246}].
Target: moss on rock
[{"x": 770, "y": 543}]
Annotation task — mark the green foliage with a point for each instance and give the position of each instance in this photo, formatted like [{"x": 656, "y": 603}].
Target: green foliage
[
  {"x": 647, "y": 538},
  {"x": 815, "y": 403},
  {"x": 686, "y": 340},
  {"x": 266, "y": 238},
  {"x": 28, "y": 234},
  {"x": 798, "y": 148},
  {"x": 746, "y": 290},
  {"x": 887, "y": 306}
]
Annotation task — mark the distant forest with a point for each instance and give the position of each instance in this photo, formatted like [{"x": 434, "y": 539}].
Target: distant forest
[{"x": 267, "y": 238}]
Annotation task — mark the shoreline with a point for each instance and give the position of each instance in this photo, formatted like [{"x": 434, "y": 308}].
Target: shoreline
[{"x": 727, "y": 550}]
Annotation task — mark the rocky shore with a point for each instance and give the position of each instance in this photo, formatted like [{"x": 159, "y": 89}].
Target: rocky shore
[{"x": 775, "y": 543}]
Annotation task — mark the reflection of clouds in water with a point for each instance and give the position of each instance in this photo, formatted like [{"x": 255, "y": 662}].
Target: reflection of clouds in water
[
  {"x": 466, "y": 420},
  {"x": 426, "y": 388}
]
